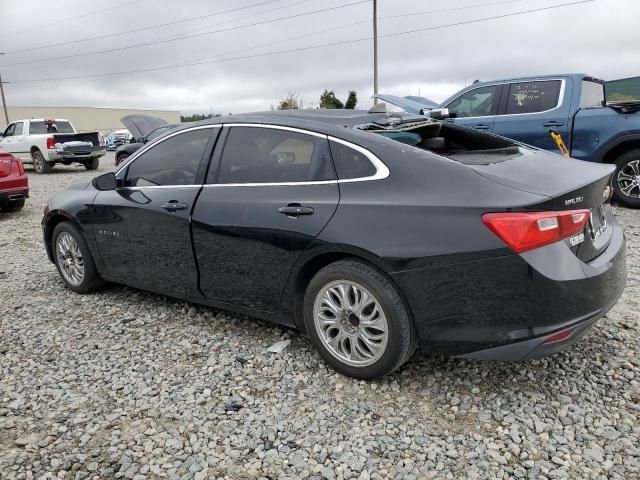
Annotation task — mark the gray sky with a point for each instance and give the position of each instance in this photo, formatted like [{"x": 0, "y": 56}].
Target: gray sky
[{"x": 601, "y": 38}]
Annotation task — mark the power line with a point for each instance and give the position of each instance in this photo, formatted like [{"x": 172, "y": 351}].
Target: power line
[
  {"x": 454, "y": 9},
  {"x": 184, "y": 37},
  {"x": 299, "y": 49},
  {"x": 143, "y": 29},
  {"x": 57, "y": 22}
]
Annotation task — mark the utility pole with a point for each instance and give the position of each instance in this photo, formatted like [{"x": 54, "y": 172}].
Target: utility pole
[
  {"x": 375, "y": 51},
  {"x": 4, "y": 102}
]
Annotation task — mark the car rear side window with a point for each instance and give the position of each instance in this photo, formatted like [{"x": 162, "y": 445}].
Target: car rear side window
[
  {"x": 533, "y": 97},
  {"x": 350, "y": 163},
  {"x": 478, "y": 102},
  {"x": 174, "y": 161},
  {"x": 269, "y": 155}
]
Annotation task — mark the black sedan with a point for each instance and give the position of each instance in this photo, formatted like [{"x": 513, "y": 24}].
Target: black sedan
[{"x": 375, "y": 234}]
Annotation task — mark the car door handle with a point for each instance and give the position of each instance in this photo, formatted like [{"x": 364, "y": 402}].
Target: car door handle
[
  {"x": 174, "y": 205},
  {"x": 554, "y": 123},
  {"x": 295, "y": 210},
  {"x": 482, "y": 126}
]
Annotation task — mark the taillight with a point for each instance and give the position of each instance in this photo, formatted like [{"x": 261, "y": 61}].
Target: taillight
[
  {"x": 524, "y": 231},
  {"x": 20, "y": 166},
  {"x": 51, "y": 143}
]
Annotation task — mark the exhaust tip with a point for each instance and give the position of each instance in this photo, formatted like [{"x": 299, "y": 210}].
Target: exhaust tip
[{"x": 17, "y": 196}]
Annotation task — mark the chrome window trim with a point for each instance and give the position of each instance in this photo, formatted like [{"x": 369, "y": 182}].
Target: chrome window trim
[
  {"x": 382, "y": 171},
  {"x": 508, "y": 84},
  {"x": 152, "y": 144}
]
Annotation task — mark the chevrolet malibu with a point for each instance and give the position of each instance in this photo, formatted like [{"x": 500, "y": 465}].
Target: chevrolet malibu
[{"x": 375, "y": 234}]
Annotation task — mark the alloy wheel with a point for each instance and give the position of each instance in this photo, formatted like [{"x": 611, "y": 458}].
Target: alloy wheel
[
  {"x": 351, "y": 323},
  {"x": 70, "y": 259},
  {"x": 629, "y": 179}
]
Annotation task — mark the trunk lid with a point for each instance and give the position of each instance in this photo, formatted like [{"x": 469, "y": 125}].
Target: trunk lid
[{"x": 570, "y": 185}]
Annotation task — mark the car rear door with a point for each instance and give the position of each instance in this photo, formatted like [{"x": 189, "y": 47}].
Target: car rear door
[
  {"x": 270, "y": 192},
  {"x": 475, "y": 108},
  {"x": 529, "y": 110},
  {"x": 143, "y": 227}
]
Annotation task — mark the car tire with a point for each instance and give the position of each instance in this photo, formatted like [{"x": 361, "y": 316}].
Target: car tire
[
  {"x": 626, "y": 188},
  {"x": 92, "y": 164},
  {"x": 40, "y": 165},
  {"x": 14, "y": 205},
  {"x": 368, "y": 332},
  {"x": 121, "y": 158},
  {"x": 73, "y": 259}
]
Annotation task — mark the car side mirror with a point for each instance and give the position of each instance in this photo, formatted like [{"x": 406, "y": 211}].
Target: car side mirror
[
  {"x": 106, "y": 181},
  {"x": 439, "y": 113}
]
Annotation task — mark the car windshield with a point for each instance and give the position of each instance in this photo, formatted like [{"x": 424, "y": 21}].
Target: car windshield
[{"x": 40, "y": 127}]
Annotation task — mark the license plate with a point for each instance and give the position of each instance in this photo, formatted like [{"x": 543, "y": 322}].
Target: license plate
[{"x": 597, "y": 221}]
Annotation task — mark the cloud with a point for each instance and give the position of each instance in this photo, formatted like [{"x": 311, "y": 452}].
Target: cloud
[{"x": 599, "y": 38}]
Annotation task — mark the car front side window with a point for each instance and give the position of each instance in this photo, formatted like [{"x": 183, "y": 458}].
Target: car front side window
[
  {"x": 479, "y": 102},
  {"x": 9, "y": 131},
  {"x": 269, "y": 155},
  {"x": 174, "y": 161}
]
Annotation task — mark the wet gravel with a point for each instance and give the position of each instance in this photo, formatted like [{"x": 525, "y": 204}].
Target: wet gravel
[{"x": 127, "y": 384}]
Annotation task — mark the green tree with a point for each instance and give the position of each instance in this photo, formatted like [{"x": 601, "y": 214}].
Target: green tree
[
  {"x": 352, "y": 100},
  {"x": 194, "y": 118},
  {"x": 328, "y": 100},
  {"x": 291, "y": 102}
]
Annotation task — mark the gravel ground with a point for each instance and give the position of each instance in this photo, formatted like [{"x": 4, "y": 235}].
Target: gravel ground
[{"x": 127, "y": 384}]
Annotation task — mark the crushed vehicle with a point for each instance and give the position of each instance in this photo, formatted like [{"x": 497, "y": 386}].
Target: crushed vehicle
[
  {"x": 143, "y": 129},
  {"x": 573, "y": 105},
  {"x": 375, "y": 234},
  {"x": 47, "y": 142},
  {"x": 14, "y": 184},
  {"x": 117, "y": 138}
]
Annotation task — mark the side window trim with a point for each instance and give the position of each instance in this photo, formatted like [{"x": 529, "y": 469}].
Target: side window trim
[
  {"x": 121, "y": 173},
  {"x": 502, "y": 111},
  {"x": 382, "y": 171}
]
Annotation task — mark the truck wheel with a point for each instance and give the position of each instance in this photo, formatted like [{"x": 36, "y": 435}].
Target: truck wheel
[
  {"x": 626, "y": 179},
  {"x": 92, "y": 164},
  {"x": 121, "y": 158},
  {"x": 73, "y": 259},
  {"x": 40, "y": 165}
]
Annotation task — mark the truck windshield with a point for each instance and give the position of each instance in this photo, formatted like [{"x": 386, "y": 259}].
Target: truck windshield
[{"x": 38, "y": 127}]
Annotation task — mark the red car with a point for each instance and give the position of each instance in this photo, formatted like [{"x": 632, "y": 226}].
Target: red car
[{"x": 14, "y": 185}]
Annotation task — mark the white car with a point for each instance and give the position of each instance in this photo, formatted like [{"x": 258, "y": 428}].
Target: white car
[{"x": 45, "y": 142}]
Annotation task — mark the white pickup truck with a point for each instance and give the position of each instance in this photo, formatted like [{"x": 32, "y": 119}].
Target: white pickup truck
[{"x": 45, "y": 142}]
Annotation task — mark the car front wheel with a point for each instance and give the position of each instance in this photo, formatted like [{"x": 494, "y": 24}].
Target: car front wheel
[
  {"x": 626, "y": 179},
  {"x": 73, "y": 259},
  {"x": 121, "y": 158},
  {"x": 357, "y": 320}
]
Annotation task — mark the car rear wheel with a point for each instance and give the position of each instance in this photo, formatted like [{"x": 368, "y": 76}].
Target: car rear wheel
[
  {"x": 357, "y": 320},
  {"x": 73, "y": 259},
  {"x": 626, "y": 179},
  {"x": 121, "y": 158},
  {"x": 40, "y": 165},
  {"x": 14, "y": 205},
  {"x": 92, "y": 164}
]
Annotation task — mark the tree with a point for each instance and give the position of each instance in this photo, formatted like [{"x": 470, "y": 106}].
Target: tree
[
  {"x": 328, "y": 100},
  {"x": 195, "y": 117},
  {"x": 352, "y": 100},
  {"x": 291, "y": 102}
]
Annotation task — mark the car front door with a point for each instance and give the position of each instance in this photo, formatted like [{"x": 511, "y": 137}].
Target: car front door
[
  {"x": 529, "y": 110},
  {"x": 142, "y": 227},
  {"x": 8, "y": 140},
  {"x": 273, "y": 191},
  {"x": 476, "y": 108}
]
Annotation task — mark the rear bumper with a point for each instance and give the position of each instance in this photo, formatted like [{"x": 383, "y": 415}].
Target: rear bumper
[
  {"x": 505, "y": 308},
  {"x": 13, "y": 194},
  {"x": 55, "y": 155}
]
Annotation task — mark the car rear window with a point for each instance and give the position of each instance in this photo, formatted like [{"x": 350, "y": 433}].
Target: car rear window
[
  {"x": 40, "y": 127},
  {"x": 533, "y": 97},
  {"x": 350, "y": 163}
]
